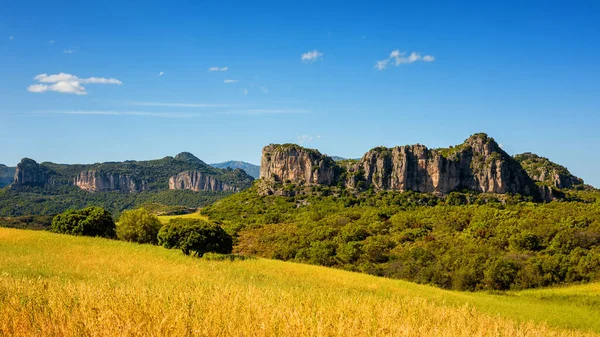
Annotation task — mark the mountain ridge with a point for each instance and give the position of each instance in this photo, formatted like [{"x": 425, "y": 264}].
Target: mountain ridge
[
  {"x": 251, "y": 169},
  {"x": 478, "y": 164}
]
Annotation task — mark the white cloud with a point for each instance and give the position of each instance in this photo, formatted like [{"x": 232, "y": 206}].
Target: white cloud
[
  {"x": 125, "y": 113},
  {"x": 11, "y": 37},
  {"x": 231, "y": 81},
  {"x": 67, "y": 83},
  {"x": 180, "y": 105},
  {"x": 306, "y": 138},
  {"x": 264, "y": 112},
  {"x": 245, "y": 91},
  {"x": 161, "y": 73},
  {"x": 69, "y": 51},
  {"x": 218, "y": 69},
  {"x": 51, "y": 42},
  {"x": 382, "y": 64},
  {"x": 398, "y": 58},
  {"x": 312, "y": 56},
  {"x": 264, "y": 89}
]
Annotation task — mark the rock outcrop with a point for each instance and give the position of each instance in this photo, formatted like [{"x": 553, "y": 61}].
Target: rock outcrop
[
  {"x": 479, "y": 164},
  {"x": 98, "y": 181},
  {"x": 198, "y": 181},
  {"x": 293, "y": 163},
  {"x": 543, "y": 170},
  {"x": 29, "y": 172}
]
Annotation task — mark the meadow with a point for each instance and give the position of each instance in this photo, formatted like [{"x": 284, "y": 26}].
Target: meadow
[{"x": 59, "y": 285}]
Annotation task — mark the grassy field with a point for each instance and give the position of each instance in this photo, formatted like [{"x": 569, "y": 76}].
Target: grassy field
[
  {"x": 165, "y": 218},
  {"x": 57, "y": 285}
]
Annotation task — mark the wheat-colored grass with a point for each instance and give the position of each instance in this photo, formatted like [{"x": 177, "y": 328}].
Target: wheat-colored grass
[
  {"x": 196, "y": 215},
  {"x": 57, "y": 285}
]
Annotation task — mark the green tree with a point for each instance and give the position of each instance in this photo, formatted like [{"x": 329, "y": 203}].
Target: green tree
[
  {"x": 138, "y": 226},
  {"x": 195, "y": 237},
  {"x": 90, "y": 221}
]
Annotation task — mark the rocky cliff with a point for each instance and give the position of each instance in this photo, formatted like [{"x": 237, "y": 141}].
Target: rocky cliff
[
  {"x": 29, "y": 172},
  {"x": 479, "y": 164},
  {"x": 293, "y": 163},
  {"x": 97, "y": 181},
  {"x": 198, "y": 181},
  {"x": 545, "y": 171}
]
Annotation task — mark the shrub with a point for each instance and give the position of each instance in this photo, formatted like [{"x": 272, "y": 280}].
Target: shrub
[
  {"x": 91, "y": 221},
  {"x": 195, "y": 236},
  {"x": 138, "y": 226}
]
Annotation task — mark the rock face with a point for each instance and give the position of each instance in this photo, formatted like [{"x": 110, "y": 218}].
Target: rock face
[
  {"x": 543, "y": 170},
  {"x": 97, "y": 181},
  {"x": 198, "y": 181},
  {"x": 29, "y": 172},
  {"x": 479, "y": 164},
  {"x": 292, "y": 163}
]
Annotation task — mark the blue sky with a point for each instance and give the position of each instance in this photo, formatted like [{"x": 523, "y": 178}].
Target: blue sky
[{"x": 134, "y": 81}]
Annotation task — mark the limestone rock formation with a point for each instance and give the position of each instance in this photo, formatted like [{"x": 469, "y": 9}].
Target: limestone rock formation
[
  {"x": 543, "y": 170},
  {"x": 479, "y": 164},
  {"x": 293, "y": 163},
  {"x": 98, "y": 181},
  {"x": 29, "y": 172},
  {"x": 198, "y": 181}
]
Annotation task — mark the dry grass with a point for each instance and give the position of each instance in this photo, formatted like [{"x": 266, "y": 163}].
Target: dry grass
[
  {"x": 55, "y": 285},
  {"x": 196, "y": 215}
]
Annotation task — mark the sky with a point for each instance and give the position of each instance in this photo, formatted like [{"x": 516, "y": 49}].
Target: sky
[{"x": 94, "y": 81}]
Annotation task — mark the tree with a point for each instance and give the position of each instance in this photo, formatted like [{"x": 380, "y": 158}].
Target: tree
[
  {"x": 90, "y": 221},
  {"x": 138, "y": 226},
  {"x": 195, "y": 236}
]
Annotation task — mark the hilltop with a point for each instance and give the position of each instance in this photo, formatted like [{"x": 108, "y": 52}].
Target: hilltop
[
  {"x": 183, "y": 180},
  {"x": 479, "y": 164}
]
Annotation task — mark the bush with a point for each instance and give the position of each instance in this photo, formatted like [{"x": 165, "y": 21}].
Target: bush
[
  {"x": 91, "y": 221},
  {"x": 195, "y": 236},
  {"x": 138, "y": 226}
]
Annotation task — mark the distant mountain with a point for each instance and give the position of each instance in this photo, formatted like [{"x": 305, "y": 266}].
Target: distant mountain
[
  {"x": 183, "y": 180},
  {"x": 337, "y": 158},
  {"x": 7, "y": 174},
  {"x": 251, "y": 169}
]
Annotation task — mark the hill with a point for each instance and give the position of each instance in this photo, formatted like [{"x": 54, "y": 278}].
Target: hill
[
  {"x": 57, "y": 285},
  {"x": 462, "y": 241},
  {"x": 479, "y": 165},
  {"x": 183, "y": 180},
  {"x": 547, "y": 172},
  {"x": 251, "y": 169},
  {"x": 7, "y": 175}
]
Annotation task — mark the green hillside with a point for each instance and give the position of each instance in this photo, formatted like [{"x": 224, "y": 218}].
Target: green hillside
[
  {"x": 462, "y": 241},
  {"x": 57, "y": 285}
]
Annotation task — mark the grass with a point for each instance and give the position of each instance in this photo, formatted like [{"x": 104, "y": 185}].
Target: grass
[
  {"x": 196, "y": 215},
  {"x": 58, "y": 285}
]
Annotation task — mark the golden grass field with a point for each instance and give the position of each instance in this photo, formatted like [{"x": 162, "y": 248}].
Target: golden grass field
[
  {"x": 196, "y": 215},
  {"x": 58, "y": 285}
]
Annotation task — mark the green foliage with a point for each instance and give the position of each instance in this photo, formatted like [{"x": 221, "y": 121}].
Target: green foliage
[
  {"x": 138, "y": 226},
  {"x": 195, "y": 236},
  {"x": 463, "y": 241},
  {"x": 51, "y": 200},
  {"x": 90, "y": 221}
]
